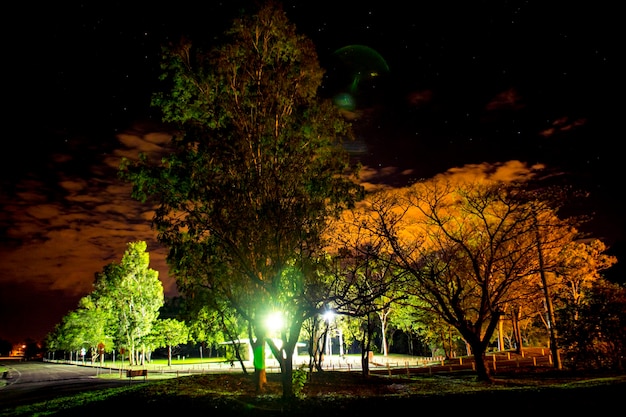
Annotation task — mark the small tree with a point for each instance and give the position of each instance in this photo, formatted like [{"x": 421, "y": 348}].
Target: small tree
[
  {"x": 168, "y": 333},
  {"x": 365, "y": 284},
  {"x": 594, "y": 336}
]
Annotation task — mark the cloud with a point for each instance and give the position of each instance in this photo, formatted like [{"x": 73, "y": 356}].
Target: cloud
[
  {"x": 69, "y": 218},
  {"x": 508, "y": 99},
  {"x": 563, "y": 124},
  {"x": 503, "y": 171}
]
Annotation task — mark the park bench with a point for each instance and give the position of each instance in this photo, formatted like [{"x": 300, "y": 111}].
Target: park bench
[{"x": 131, "y": 373}]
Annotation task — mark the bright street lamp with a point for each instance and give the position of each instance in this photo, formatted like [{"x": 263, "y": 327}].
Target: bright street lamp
[
  {"x": 329, "y": 316},
  {"x": 274, "y": 322}
]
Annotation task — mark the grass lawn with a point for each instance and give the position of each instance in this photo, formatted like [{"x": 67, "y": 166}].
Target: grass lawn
[{"x": 339, "y": 393}]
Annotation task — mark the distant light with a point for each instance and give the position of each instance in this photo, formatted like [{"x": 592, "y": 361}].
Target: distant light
[{"x": 329, "y": 316}]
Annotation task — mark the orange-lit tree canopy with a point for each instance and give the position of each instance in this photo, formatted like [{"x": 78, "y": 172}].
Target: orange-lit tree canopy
[{"x": 467, "y": 248}]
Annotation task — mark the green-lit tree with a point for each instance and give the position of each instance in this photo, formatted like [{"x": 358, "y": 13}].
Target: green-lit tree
[
  {"x": 68, "y": 334},
  {"x": 96, "y": 325},
  {"x": 256, "y": 167},
  {"x": 168, "y": 333},
  {"x": 132, "y": 294}
]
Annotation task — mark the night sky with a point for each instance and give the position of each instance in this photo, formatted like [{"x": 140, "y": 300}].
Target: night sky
[{"x": 464, "y": 85}]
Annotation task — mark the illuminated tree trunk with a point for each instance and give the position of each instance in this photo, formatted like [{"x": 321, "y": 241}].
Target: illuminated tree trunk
[
  {"x": 500, "y": 333},
  {"x": 517, "y": 334},
  {"x": 382, "y": 315},
  {"x": 260, "y": 373},
  {"x": 548, "y": 299}
]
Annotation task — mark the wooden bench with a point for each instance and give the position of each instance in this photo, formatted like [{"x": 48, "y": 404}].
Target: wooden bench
[{"x": 131, "y": 373}]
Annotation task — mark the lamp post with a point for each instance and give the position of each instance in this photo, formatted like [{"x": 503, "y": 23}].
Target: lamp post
[{"x": 340, "y": 334}]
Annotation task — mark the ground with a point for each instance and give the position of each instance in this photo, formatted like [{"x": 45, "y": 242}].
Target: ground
[
  {"x": 521, "y": 386},
  {"x": 340, "y": 393}
]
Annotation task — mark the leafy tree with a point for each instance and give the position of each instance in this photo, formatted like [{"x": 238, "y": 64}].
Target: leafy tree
[
  {"x": 168, "y": 333},
  {"x": 95, "y": 327},
  {"x": 470, "y": 249},
  {"x": 256, "y": 167},
  {"x": 595, "y": 336},
  {"x": 69, "y": 334},
  {"x": 132, "y": 294},
  {"x": 211, "y": 321},
  {"x": 408, "y": 320},
  {"x": 579, "y": 268},
  {"x": 365, "y": 285}
]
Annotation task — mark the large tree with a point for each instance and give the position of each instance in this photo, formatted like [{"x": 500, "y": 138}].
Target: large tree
[
  {"x": 470, "y": 249},
  {"x": 132, "y": 294},
  {"x": 256, "y": 167}
]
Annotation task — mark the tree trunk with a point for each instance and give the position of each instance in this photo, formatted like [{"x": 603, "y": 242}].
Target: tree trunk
[
  {"x": 517, "y": 333},
  {"x": 169, "y": 355},
  {"x": 365, "y": 363},
  {"x": 548, "y": 300},
  {"x": 366, "y": 344},
  {"x": 482, "y": 373},
  {"x": 260, "y": 373},
  {"x": 287, "y": 375},
  {"x": 501, "y": 333},
  {"x": 383, "y": 332}
]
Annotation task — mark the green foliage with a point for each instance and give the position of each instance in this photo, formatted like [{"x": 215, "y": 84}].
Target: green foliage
[
  {"x": 299, "y": 379},
  {"x": 169, "y": 332},
  {"x": 119, "y": 312},
  {"x": 133, "y": 294},
  {"x": 594, "y": 331},
  {"x": 255, "y": 170}
]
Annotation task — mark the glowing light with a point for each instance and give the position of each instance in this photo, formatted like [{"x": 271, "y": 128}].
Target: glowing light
[
  {"x": 275, "y": 321},
  {"x": 329, "y": 316}
]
